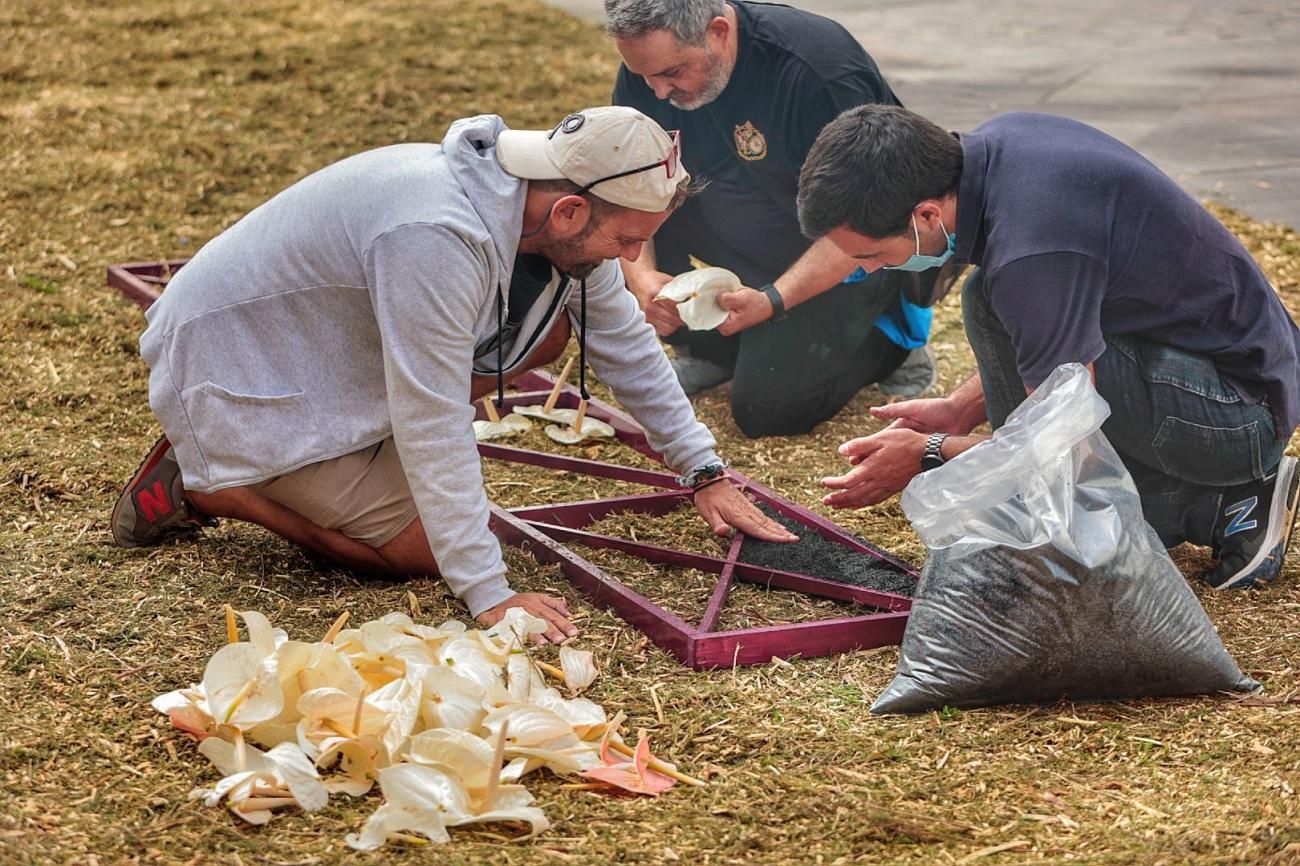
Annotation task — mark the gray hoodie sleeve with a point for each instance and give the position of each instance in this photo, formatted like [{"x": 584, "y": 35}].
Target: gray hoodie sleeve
[
  {"x": 626, "y": 355},
  {"x": 429, "y": 286}
]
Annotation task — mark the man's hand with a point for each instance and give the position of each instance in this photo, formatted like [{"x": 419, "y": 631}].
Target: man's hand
[
  {"x": 883, "y": 464},
  {"x": 548, "y": 607},
  {"x": 745, "y": 308},
  {"x": 925, "y": 415},
  {"x": 724, "y": 508},
  {"x": 661, "y": 314}
]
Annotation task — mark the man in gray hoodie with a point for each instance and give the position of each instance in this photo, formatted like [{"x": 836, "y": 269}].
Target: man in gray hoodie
[{"x": 313, "y": 367}]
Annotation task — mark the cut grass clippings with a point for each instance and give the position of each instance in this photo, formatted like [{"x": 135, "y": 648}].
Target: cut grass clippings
[{"x": 137, "y": 130}]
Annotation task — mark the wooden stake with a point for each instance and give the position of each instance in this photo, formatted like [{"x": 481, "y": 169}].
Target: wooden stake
[
  {"x": 258, "y": 804},
  {"x": 491, "y": 410},
  {"x": 356, "y": 717},
  {"x": 580, "y": 417},
  {"x": 232, "y": 627},
  {"x": 559, "y": 385},
  {"x": 336, "y": 628},
  {"x": 494, "y": 774},
  {"x": 658, "y": 766}
]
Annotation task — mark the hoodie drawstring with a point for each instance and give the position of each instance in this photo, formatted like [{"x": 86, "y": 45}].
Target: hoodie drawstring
[
  {"x": 501, "y": 323},
  {"x": 582, "y": 345}
]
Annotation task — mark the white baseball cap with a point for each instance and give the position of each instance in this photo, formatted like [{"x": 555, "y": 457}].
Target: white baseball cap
[{"x": 627, "y": 157}]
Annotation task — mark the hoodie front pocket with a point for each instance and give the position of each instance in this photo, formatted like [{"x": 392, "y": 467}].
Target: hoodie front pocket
[{"x": 251, "y": 435}]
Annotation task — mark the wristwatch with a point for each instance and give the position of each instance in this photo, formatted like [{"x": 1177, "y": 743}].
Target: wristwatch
[
  {"x": 932, "y": 456},
  {"x": 778, "y": 302}
]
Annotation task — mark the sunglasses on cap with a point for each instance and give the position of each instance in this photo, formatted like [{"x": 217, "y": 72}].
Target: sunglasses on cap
[{"x": 669, "y": 163}]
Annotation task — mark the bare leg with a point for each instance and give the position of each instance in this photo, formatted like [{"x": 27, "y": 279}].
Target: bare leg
[{"x": 244, "y": 503}]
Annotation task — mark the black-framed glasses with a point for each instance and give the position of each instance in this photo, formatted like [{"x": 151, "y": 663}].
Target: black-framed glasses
[{"x": 669, "y": 163}]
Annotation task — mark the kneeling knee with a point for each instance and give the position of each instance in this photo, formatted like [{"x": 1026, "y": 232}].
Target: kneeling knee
[{"x": 756, "y": 420}]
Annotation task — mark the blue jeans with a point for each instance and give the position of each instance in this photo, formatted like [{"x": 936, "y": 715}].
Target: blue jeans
[{"x": 1183, "y": 432}]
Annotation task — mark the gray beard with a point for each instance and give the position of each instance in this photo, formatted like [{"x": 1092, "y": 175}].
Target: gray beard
[{"x": 719, "y": 74}]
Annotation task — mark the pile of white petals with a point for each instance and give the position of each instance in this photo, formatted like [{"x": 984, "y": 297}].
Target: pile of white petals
[{"x": 446, "y": 719}]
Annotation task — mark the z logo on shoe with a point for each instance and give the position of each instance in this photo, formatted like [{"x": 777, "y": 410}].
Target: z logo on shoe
[{"x": 1240, "y": 513}]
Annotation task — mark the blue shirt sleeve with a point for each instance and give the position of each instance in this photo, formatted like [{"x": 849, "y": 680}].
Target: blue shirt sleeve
[{"x": 1050, "y": 305}]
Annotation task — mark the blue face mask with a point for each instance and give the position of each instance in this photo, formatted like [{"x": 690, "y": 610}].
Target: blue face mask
[{"x": 919, "y": 262}]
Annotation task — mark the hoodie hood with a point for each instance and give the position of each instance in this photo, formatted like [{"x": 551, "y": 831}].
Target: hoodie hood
[{"x": 495, "y": 195}]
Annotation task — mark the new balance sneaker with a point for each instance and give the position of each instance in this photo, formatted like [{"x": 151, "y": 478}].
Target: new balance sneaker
[
  {"x": 916, "y": 375},
  {"x": 152, "y": 507},
  {"x": 696, "y": 374},
  {"x": 1255, "y": 526}
]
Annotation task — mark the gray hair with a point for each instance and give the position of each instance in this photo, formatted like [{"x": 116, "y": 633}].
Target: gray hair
[{"x": 685, "y": 19}]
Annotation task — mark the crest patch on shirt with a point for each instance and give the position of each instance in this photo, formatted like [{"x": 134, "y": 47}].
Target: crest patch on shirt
[{"x": 750, "y": 143}]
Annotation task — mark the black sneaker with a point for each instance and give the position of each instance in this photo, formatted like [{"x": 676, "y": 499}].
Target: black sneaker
[
  {"x": 152, "y": 508},
  {"x": 1257, "y": 521}
]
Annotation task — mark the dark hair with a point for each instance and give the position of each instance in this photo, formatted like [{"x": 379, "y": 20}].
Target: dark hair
[{"x": 870, "y": 167}]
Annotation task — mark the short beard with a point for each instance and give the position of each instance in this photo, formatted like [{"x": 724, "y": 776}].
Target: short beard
[
  {"x": 718, "y": 74},
  {"x": 565, "y": 254}
]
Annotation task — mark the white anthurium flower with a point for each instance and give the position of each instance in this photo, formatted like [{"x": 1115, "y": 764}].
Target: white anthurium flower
[
  {"x": 466, "y": 657},
  {"x": 329, "y": 713},
  {"x": 582, "y": 715},
  {"x": 348, "y": 641},
  {"x": 450, "y": 701},
  {"x": 400, "y": 699},
  {"x": 382, "y": 638},
  {"x": 417, "y": 800},
  {"x": 461, "y": 753},
  {"x": 297, "y": 771},
  {"x": 427, "y": 800},
  {"x": 261, "y": 634},
  {"x": 358, "y": 759},
  {"x": 187, "y": 710},
  {"x": 519, "y": 624},
  {"x": 302, "y": 667},
  {"x": 285, "y": 770},
  {"x": 241, "y": 686},
  {"x": 592, "y": 428},
  {"x": 426, "y": 633},
  {"x": 514, "y": 770},
  {"x": 562, "y": 416},
  {"x": 565, "y": 755},
  {"x": 271, "y": 734},
  {"x": 529, "y": 725},
  {"x": 696, "y": 295},
  {"x": 579, "y": 667},
  {"x": 389, "y": 820},
  {"x": 313, "y": 666},
  {"x": 509, "y": 425},
  {"x": 522, "y": 678}
]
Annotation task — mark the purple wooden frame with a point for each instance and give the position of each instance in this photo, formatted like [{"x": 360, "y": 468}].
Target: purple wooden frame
[{"x": 546, "y": 531}]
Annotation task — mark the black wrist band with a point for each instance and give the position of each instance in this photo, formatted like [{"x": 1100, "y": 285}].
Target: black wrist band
[{"x": 778, "y": 302}]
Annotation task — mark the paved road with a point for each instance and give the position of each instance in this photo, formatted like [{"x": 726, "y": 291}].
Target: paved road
[{"x": 1209, "y": 91}]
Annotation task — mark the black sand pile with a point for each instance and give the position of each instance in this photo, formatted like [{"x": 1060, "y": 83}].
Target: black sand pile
[{"x": 815, "y": 556}]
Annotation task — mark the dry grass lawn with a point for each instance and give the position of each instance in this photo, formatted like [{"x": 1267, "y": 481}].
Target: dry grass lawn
[{"x": 138, "y": 129}]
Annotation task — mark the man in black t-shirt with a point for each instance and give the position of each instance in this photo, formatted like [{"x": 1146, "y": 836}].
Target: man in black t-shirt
[
  {"x": 1086, "y": 254},
  {"x": 749, "y": 85}
]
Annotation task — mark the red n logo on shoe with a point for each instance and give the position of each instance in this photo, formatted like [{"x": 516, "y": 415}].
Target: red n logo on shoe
[{"x": 153, "y": 502}]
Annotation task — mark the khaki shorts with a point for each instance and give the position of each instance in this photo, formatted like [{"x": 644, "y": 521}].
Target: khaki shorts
[{"x": 363, "y": 495}]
